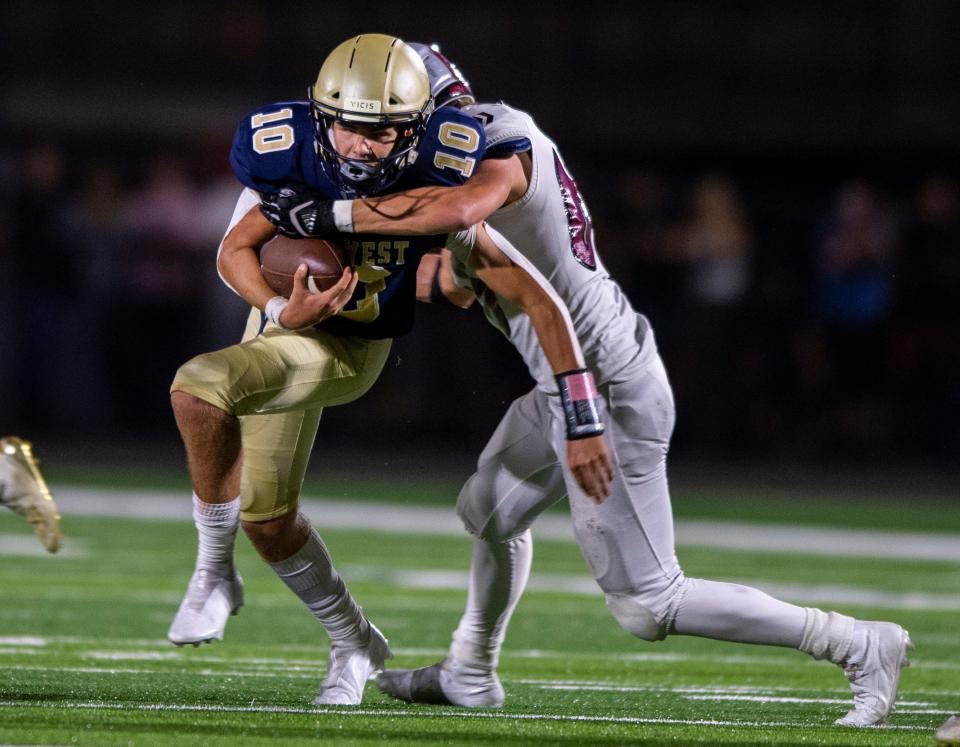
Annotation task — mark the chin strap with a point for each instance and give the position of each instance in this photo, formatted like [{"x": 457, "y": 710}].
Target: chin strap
[{"x": 579, "y": 398}]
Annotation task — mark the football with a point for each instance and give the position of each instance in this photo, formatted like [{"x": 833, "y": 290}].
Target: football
[{"x": 280, "y": 257}]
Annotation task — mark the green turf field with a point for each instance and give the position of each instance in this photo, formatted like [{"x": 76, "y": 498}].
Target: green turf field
[{"x": 84, "y": 659}]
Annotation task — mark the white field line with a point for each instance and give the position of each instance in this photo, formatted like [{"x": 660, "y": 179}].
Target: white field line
[
  {"x": 260, "y": 667},
  {"x": 585, "y": 585},
  {"x": 179, "y": 672},
  {"x": 351, "y": 711},
  {"x": 903, "y": 706},
  {"x": 704, "y": 693},
  {"x": 818, "y": 594},
  {"x": 26, "y": 546},
  {"x": 188, "y": 654},
  {"x": 393, "y": 518},
  {"x": 580, "y": 585},
  {"x": 22, "y": 640},
  {"x": 745, "y": 689},
  {"x": 714, "y": 696}
]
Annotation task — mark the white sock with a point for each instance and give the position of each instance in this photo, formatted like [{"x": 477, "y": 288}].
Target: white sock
[
  {"x": 309, "y": 574},
  {"x": 827, "y": 635},
  {"x": 733, "y": 612},
  {"x": 216, "y": 532},
  {"x": 498, "y": 576}
]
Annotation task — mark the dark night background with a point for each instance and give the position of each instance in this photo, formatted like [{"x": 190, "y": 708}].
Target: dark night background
[{"x": 775, "y": 184}]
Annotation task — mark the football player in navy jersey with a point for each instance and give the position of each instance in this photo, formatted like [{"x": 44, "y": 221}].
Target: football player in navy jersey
[
  {"x": 248, "y": 414},
  {"x": 523, "y": 189}
]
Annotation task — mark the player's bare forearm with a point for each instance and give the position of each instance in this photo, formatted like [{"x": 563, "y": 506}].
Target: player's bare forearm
[
  {"x": 434, "y": 210},
  {"x": 589, "y": 459},
  {"x": 513, "y": 283},
  {"x": 239, "y": 262}
]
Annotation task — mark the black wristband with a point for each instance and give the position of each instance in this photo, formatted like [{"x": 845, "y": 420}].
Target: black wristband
[{"x": 580, "y": 400}]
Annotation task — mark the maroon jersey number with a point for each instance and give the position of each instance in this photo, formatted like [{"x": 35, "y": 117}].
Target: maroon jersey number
[{"x": 578, "y": 217}]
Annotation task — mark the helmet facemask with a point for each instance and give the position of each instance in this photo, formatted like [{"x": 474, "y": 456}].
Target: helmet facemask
[
  {"x": 366, "y": 176},
  {"x": 374, "y": 81}
]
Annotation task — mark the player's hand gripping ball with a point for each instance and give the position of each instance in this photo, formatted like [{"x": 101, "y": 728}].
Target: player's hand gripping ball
[{"x": 280, "y": 257}]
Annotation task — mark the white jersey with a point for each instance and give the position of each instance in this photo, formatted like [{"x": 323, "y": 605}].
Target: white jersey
[{"x": 551, "y": 227}]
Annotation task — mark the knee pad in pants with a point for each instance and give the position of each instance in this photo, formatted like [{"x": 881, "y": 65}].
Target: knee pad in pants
[{"x": 635, "y": 618}]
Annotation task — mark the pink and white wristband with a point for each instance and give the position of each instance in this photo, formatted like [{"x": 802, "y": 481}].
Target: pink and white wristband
[{"x": 580, "y": 401}]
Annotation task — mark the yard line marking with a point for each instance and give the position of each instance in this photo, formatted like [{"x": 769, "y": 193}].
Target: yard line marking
[
  {"x": 154, "y": 672},
  {"x": 387, "y": 517},
  {"x": 586, "y": 586},
  {"x": 682, "y": 689},
  {"x": 22, "y": 640},
  {"x": 189, "y": 654},
  {"x": 26, "y": 546},
  {"x": 782, "y": 699},
  {"x": 705, "y": 693},
  {"x": 390, "y": 713},
  {"x": 134, "y": 655}
]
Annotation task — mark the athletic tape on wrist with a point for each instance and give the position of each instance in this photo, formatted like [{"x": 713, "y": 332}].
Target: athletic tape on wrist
[
  {"x": 343, "y": 215},
  {"x": 579, "y": 398},
  {"x": 274, "y": 308}
]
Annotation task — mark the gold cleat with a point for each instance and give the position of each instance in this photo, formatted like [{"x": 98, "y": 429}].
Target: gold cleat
[{"x": 23, "y": 489}]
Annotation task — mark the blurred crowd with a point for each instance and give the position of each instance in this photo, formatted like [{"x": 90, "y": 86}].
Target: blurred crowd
[
  {"x": 818, "y": 320},
  {"x": 813, "y": 318}
]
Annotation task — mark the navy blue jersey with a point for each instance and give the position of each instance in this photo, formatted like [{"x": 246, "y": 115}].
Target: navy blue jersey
[{"x": 274, "y": 147}]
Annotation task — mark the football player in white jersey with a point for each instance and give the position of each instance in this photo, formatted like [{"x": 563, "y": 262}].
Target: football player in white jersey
[
  {"x": 523, "y": 189},
  {"x": 248, "y": 413},
  {"x": 24, "y": 491}
]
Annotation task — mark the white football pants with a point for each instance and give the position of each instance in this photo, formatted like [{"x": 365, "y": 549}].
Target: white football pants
[{"x": 627, "y": 540}]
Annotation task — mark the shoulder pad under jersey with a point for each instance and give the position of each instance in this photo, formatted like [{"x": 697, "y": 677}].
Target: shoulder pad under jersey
[
  {"x": 274, "y": 146},
  {"x": 508, "y": 130},
  {"x": 450, "y": 149}
]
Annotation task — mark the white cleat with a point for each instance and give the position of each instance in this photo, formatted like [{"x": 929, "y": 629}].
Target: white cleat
[
  {"x": 948, "y": 735},
  {"x": 23, "y": 489},
  {"x": 877, "y": 656},
  {"x": 448, "y": 682},
  {"x": 210, "y": 599},
  {"x": 348, "y": 670}
]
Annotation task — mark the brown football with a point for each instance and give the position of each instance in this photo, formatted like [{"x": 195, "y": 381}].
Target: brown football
[{"x": 280, "y": 257}]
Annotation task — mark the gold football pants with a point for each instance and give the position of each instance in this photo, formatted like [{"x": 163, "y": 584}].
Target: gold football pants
[{"x": 278, "y": 382}]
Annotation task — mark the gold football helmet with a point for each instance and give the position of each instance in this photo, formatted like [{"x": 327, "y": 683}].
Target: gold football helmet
[{"x": 377, "y": 80}]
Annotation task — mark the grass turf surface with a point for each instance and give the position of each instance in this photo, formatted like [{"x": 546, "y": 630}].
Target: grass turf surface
[{"x": 84, "y": 660}]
